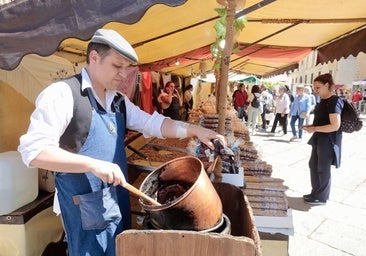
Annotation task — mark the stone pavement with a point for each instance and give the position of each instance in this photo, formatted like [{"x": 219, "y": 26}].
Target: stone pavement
[{"x": 339, "y": 227}]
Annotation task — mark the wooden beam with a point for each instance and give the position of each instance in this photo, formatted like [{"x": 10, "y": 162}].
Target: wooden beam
[
  {"x": 253, "y": 8},
  {"x": 310, "y": 21}
]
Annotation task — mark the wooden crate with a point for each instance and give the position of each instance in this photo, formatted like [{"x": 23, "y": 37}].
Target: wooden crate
[{"x": 244, "y": 238}]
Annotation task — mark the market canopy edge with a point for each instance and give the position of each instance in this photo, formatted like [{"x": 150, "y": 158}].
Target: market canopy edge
[
  {"x": 39, "y": 26},
  {"x": 164, "y": 34}
]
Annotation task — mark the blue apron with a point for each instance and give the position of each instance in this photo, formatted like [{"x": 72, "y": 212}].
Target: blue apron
[{"x": 94, "y": 212}]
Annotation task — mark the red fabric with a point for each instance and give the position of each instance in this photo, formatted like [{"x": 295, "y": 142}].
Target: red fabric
[
  {"x": 184, "y": 59},
  {"x": 357, "y": 96},
  {"x": 240, "y": 98},
  {"x": 146, "y": 93},
  {"x": 255, "y": 52},
  {"x": 280, "y": 54}
]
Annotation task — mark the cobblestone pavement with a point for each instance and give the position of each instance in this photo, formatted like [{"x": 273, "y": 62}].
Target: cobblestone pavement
[{"x": 339, "y": 227}]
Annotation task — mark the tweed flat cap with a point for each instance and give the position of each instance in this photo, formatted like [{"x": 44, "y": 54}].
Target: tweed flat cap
[{"x": 115, "y": 41}]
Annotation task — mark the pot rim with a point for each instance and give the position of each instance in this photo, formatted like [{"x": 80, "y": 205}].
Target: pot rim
[
  {"x": 151, "y": 207},
  {"x": 220, "y": 222}
]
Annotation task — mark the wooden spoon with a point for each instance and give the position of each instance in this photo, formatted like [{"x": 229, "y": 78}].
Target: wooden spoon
[
  {"x": 211, "y": 168},
  {"x": 139, "y": 193}
]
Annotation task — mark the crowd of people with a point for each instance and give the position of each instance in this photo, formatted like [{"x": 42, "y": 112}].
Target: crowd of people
[
  {"x": 325, "y": 106},
  {"x": 357, "y": 98},
  {"x": 280, "y": 107},
  {"x": 315, "y": 109},
  {"x": 261, "y": 107},
  {"x": 277, "y": 106}
]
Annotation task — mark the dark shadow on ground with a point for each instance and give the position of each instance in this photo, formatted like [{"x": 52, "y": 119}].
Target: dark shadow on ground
[
  {"x": 297, "y": 203},
  {"x": 270, "y": 137},
  {"x": 279, "y": 140},
  {"x": 263, "y": 134}
]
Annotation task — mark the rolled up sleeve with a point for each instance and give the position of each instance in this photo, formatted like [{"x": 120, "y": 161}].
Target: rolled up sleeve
[
  {"x": 148, "y": 124},
  {"x": 53, "y": 112}
]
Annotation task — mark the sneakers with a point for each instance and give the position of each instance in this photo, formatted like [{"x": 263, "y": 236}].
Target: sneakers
[
  {"x": 313, "y": 201},
  {"x": 293, "y": 138},
  {"x": 306, "y": 196}
]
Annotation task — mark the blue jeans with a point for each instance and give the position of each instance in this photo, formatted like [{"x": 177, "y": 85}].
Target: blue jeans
[
  {"x": 241, "y": 111},
  {"x": 300, "y": 124}
]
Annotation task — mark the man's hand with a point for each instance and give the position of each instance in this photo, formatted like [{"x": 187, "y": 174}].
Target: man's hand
[
  {"x": 206, "y": 136},
  {"x": 108, "y": 172}
]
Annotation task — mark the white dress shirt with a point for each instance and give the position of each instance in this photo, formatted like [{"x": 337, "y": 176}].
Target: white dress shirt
[{"x": 54, "y": 110}]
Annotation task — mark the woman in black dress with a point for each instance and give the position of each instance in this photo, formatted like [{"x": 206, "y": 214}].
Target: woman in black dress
[
  {"x": 170, "y": 101},
  {"x": 326, "y": 140}
]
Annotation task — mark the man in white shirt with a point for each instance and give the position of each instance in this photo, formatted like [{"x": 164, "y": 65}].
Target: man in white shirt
[{"x": 77, "y": 130}]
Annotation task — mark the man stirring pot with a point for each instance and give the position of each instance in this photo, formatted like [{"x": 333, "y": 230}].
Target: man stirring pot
[{"x": 77, "y": 130}]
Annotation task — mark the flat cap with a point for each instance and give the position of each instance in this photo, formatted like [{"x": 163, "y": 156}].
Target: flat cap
[{"x": 116, "y": 42}]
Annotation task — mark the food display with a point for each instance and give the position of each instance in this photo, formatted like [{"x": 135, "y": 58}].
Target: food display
[
  {"x": 266, "y": 196},
  {"x": 207, "y": 106},
  {"x": 194, "y": 116},
  {"x": 257, "y": 168},
  {"x": 131, "y": 136},
  {"x": 265, "y": 193},
  {"x": 159, "y": 151},
  {"x": 211, "y": 121},
  {"x": 240, "y": 130}
]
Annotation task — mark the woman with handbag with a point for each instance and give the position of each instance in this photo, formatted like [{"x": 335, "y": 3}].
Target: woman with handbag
[
  {"x": 255, "y": 108},
  {"x": 326, "y": 140}
]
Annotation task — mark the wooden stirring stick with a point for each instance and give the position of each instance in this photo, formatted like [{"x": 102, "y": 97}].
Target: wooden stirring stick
[
  {"x": 137, "y": 192},
  {"x": 211, "y": 168}
]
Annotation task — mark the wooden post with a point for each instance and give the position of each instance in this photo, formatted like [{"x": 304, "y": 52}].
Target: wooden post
[{"x": 221, "y": 91}]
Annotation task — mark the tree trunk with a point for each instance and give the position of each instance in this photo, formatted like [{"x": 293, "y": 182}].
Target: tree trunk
[{"x": 223, "y": 77}]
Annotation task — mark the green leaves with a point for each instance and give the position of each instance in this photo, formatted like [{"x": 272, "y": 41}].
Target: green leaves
[
  {"x": 239, "y": 23},
  {"x": 220, "y": 28},
  {"x": 220, "y": 24},
  {"x": 222, "y": 12}
]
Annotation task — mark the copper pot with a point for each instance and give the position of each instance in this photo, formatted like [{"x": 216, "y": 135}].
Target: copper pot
[{"x": 189, "y": 200}]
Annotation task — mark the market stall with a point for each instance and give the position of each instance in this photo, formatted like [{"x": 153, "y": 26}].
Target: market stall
[
  {"x": 266, "y": 197},
  {"x": 270, "y": 43}
]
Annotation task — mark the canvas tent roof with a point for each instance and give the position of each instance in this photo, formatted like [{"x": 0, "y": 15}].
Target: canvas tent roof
[{"x": 277, "y": 35}]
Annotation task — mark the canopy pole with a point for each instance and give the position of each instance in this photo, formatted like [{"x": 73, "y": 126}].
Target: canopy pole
[
  {"x": 221, "y": 90},
  {"x": 224, "y": 66}
]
